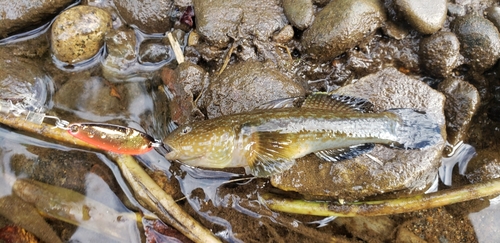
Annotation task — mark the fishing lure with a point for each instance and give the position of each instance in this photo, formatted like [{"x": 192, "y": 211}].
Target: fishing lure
[{"x": 114, "y": 138}]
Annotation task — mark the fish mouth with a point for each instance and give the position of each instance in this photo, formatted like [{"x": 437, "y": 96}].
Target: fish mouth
[
  {"x": 171, "y": 155},
  {"x": 167, "y": 148}
]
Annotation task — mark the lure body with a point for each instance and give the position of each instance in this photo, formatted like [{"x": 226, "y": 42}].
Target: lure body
[{"x": 114, "y": 138}]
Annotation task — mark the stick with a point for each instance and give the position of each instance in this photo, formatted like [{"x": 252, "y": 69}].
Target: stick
[
  {"x": 384, "y": 207},
  {"x": 179, "y": 56}
]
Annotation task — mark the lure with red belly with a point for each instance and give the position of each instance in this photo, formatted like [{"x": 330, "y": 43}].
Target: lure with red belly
[{"x": 114, "y": 138}]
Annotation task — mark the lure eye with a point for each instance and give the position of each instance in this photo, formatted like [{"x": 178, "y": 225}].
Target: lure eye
[
  {"x": 185, "y": 130},
  {"x": 73, "y": 129}
]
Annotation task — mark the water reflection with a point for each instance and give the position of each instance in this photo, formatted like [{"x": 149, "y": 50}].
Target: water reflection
[
  {"x": 485, "y": 222},
  {"x": 28, "y": 157}
]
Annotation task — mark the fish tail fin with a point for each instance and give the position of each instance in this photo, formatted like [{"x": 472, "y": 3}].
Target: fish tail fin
[{"x": 416, "y": 130}]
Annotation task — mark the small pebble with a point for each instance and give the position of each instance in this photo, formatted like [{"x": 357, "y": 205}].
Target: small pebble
[{"x": 78, "y": 33}]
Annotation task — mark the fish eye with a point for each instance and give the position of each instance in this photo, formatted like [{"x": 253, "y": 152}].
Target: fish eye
[{"x": 185, "y": 130}]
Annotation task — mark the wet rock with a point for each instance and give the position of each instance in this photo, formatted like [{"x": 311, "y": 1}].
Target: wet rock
[
  {"x": 342, "y": 25},
  {"x": 360, "y": 177},
  {"x": 395, "y": 31},
  {"x": 244, "y": 86},
  {"x": 20, "y": 16},
  {"x": 89, "y": 97},
  {"x": 462, "y": 102},
  {"x": 440, "y": 53},
  {"x": 78, "y": 33},
  {"x": 154, "y": 52},
  {"x": 493, "y": 111},
  {"x": 485, "y": 166},
  {"x": 456, "y": 10},
  {"x": 493, "y": 15},
  {"x": 34, "y": 87},
  {"x": 479, "y": 41},
  {"x": 217, "y": 31},
  {"x": 300, "y": 13},
  {"x": 185, "y": 84},
  {"x": 403, "y": 235},
  {"x": 426, "y": 16},
  {"x": 368, "y": 228},
  {"x": 285, "y": 35},
  {"x": 66, "y": 169},
  {"x": 242, "y": 19},
  {"x": 150, "y": 16},
  {"x": 34, "y": 48},
  {"x": 121, "y": 63}
]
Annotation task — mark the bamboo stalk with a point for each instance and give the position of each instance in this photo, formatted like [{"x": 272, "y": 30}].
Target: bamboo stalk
[
  {"x": 157, "y": 200},
  {"x": 384, "y": 207}
]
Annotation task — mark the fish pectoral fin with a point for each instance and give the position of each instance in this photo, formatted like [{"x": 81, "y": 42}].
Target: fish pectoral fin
[
  {"x": 335, "y": 102},
  {"x": 338, "y": 154},
  {"x": 270, "y": 154}
]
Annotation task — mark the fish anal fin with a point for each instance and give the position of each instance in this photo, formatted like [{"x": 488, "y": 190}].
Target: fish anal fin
[
  {"x": 270, "y": 154},
  {"x": 335, "y": 102},
  {"x": 338, "y": 154}
]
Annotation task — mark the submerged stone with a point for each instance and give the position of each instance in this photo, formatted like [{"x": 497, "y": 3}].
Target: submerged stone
[{"x": 20, "y": 16}]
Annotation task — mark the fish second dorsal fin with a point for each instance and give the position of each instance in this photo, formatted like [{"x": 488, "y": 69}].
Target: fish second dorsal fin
[
  {"x": 270, "y": 154},
  {"x": 333, "y": 155},
  {"x": 335, "y": 102},
  {"x": 281, "y": 103}
]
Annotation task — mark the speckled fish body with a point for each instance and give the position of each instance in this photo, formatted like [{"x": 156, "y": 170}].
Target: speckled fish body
[{"x": 268, "y": 141}]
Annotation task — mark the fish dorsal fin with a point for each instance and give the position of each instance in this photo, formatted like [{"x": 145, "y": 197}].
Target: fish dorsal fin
[
  {"x": 337, "y": 102},
  {"x": 281, "y": 103},
  {"x": 333, "y": 155},
  {"x": 270, "y": 154}
]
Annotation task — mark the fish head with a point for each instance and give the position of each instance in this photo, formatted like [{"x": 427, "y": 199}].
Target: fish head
[{"x": 206, "y": 145}]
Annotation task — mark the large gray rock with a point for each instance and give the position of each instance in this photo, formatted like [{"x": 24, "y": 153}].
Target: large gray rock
[
  {"x": 25, "y": 15},
  {"x": 479, "y": 41},
  {"x": 411, "y": 170},
  {"x": 341, "y": 25},
  {"x": 244, "y": 86},
  {"x": 426, "y": 16}
]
